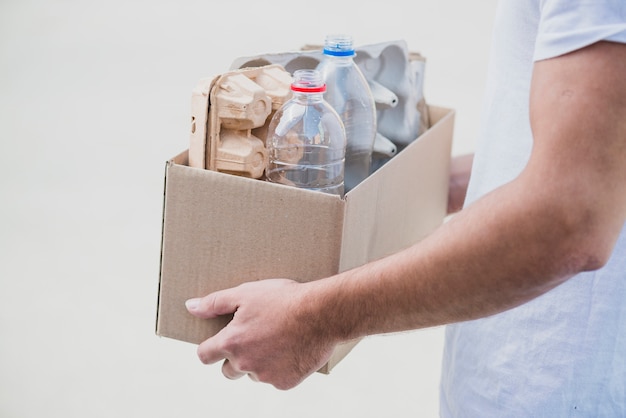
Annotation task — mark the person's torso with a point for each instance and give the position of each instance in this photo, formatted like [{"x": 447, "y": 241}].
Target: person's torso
[{"x": 564, "y": 353}]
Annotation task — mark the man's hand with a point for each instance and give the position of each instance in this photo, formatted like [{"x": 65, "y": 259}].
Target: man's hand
[{"x": 270, "y": 338}]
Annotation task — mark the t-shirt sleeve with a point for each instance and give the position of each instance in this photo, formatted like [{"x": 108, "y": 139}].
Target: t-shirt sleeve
[{"x": 568, "y": 25}]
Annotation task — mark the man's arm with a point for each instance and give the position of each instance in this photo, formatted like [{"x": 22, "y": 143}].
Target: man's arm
[{"x": 562, "y": 215}]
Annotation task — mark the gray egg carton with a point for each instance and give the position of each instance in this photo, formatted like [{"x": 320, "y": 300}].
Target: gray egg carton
[{"x": 395, "y": 76}]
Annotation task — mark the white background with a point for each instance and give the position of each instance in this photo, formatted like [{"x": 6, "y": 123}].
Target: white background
[{"x": 94, "y": 98}]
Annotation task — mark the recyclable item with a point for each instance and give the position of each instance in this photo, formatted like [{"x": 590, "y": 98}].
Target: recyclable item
[
  {"x": 216, "y": 228},
  {"x": 348, "y": 92},
  {"x": 396, "y": 78},
  {"x": 306, "y": 140},
  {"x": 228, "y": 115}
]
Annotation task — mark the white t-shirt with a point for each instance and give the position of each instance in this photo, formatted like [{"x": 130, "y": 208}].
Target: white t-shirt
[{"x": 564, "y": 353}]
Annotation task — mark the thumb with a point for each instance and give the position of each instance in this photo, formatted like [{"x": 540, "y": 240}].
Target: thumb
[{"x": 212, "y": 305}]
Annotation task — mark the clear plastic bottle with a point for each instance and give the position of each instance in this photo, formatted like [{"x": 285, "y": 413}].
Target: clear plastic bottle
[
  {"x": 306, "y": 140},
  {"x": 348, "y": 92}
]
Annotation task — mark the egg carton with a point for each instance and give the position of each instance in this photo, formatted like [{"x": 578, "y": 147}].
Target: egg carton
[
  {"x": 231, "y": 111},
  {"x": 229, "y": 117}
]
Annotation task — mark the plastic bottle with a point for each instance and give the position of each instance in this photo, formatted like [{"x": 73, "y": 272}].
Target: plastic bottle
[
  {"x": 348, "y": 92},
  {"x": 306, "y": 140}
]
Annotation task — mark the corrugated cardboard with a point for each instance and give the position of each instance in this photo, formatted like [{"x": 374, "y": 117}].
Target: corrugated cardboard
[{"x": 220, "y": 230}]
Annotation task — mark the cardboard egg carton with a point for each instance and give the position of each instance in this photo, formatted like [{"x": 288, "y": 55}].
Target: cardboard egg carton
[{"x": 229, "y": 117}]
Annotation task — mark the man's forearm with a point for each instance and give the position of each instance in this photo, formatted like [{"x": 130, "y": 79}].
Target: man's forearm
[{"x": 488, "y": 258}]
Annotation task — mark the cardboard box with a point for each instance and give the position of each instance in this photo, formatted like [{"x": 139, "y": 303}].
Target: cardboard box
[{"x": 220, "y": 230}]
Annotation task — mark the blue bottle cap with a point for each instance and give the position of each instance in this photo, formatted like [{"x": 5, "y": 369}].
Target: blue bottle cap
[{"x": 339, "y": 46}]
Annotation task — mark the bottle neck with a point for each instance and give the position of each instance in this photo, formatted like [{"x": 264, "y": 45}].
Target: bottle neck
[
  {"x": 308, "y": 97},
  {"x": 346, "y": 59}
]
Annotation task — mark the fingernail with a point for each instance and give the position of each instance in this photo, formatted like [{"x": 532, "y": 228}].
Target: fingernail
[{"x": 192, "y": 304}]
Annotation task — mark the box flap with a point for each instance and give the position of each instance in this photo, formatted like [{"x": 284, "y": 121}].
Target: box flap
[
  {"x": 253, "y": 238},
  {"x": 401, "y": 202}
]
